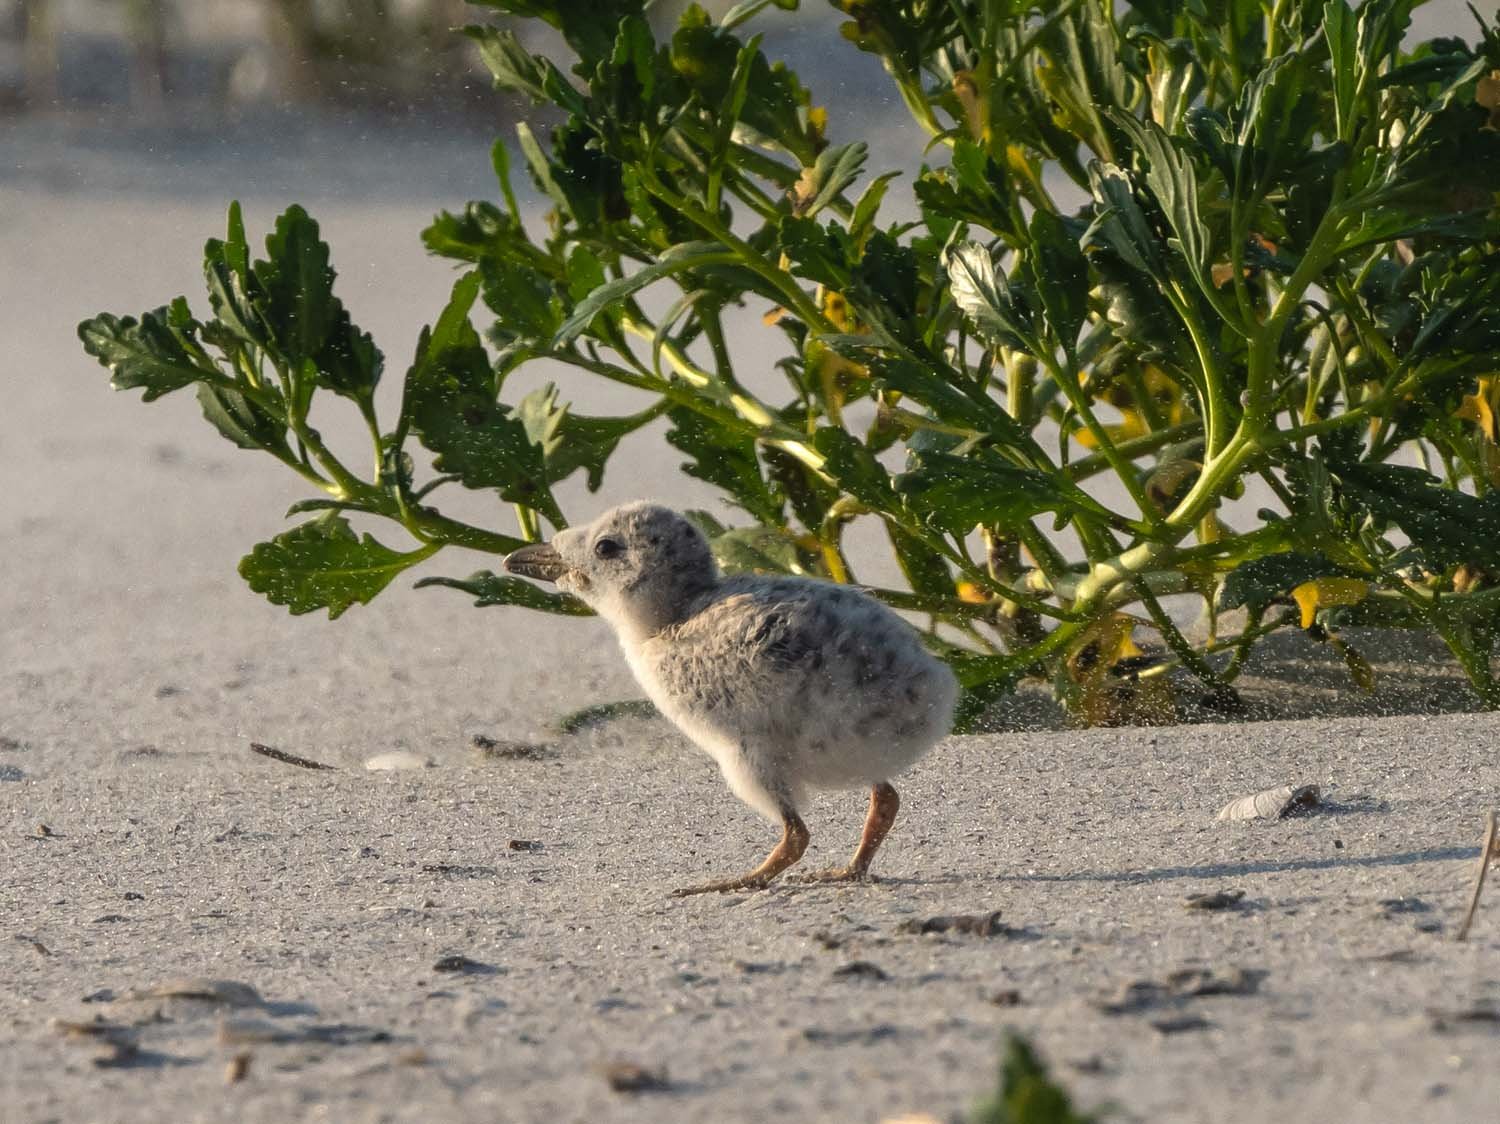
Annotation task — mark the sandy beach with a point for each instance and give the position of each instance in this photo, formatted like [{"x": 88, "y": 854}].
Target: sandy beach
[{"x": 481, "y": 938}]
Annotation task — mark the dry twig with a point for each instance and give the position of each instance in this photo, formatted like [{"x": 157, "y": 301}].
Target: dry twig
[
  {"x": 1487, "y": 850},
  {"x": 287, "y": 758}
]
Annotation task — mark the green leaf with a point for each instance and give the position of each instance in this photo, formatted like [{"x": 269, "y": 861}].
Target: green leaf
[
  {"x": 572, "y": 441},
  {"x": 500, "y": 162},
  {"x": 350, "y": 364},
  {"x": 748, "y": 9},
  {"x": 724, "y": 459},
  {"x": 973, "y": 188},
  {"x": 833, "y": 171},
  {"x": 1028, "y": 1094},
  {"x": 957, "y": 494},
  {"x": 296, "y": 283},
  {"x": 862, "y": 221},
  {"x": 1176, "y": 78},
  {"x": 323, "y": 565},
  {"x": 541, "y": 168},
  {"x": 757, "y": 550},
  {"x": 1119, "y": 221},
  {"x": 998, "y": 312},
  {"x": 706, "y": 58},
  {"x": 242, "y": 420},
  {"x": 1339, "y": 32},
  {"x": 232, "y": 292},
  {"x": 522, "y": 299},
  {"x": 1255, "y": 584},
  {"x": 1060, "y": 273},
  {"x": 1172, "y": 178},
  {"x": 730, "y": 109},
  {"x": 587, "y": 25},
  {"x": 823, "y": 254},
  {"x": 148, "y": 353},
  {"x": 492, "y": 589},
  {"x": 947, "y": 395},
  {"x": 690, "y": 255},
  {"x": 854, "y": 468},
  {"x": 1273, "y": 120},
  {"x": 451, "y": 406},
  {"x": 513, "y": 67},
  {"x": 925, "y": 570},
  {"x": 1449, "y": 527}
]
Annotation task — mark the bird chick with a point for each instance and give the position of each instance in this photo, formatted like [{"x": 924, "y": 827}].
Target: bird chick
[{"x": 789, "y": 684}]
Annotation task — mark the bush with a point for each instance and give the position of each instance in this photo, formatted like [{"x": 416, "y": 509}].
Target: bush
[{"x": 1177, "y": 247}]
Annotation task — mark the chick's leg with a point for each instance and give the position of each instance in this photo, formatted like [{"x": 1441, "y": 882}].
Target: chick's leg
[
  {"x": 884, "y": 803},
  {"x": 794, "y": 837}
]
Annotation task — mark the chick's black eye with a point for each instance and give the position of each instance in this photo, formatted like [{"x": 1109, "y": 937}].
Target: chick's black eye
[{"x": 607, "y": 548}]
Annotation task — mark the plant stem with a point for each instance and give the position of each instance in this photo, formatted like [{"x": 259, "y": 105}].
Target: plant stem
[{"x": 1068, "y": 383}]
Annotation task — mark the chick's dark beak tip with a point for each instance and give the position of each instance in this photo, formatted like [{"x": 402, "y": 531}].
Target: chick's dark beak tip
[{"x": 538, "y": 561}]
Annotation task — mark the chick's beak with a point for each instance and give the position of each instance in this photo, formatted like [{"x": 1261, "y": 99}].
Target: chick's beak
[{"x": 540, "y": 560}]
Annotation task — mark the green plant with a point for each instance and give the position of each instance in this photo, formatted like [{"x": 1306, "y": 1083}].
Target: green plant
[
  {"x": 1175, "y": 246},
  {"x": 1027, "y": 1093}
]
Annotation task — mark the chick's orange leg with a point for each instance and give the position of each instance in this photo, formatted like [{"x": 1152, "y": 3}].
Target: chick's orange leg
[
  {"x": 794, "y": 837},
  {"x": 884, "y": 803}
]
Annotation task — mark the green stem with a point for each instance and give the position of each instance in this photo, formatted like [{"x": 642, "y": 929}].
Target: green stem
[
  {"x": 1123, "y": 468},
  {"x": 1095, "y": 463}
]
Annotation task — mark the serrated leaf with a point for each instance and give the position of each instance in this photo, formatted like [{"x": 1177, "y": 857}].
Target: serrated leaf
[
  {"x": 1449, "y": 527},
  {"x": 521, "y": 298},
  {"x": 724, "y": 459},
  {"x": 587, "y": 25},
  {"x": 833, "y": 171},
  {"x": 854, "y": 468},
  {"x": 1340, "y": 34},
  {"x": 147, "y": 353},
  {"x": 296, "y": 285},
  {"x": 952, "y": 398},
  {"x": 862, "y": 221},
  {"x": 996, "y": 311},
  {"x": 512, "y": 66},
  {"x": 957, "y": 494},
  {"x": 349, "y": 363},
  {"x": 1119, "y": 221},
  {"x": 492, "y": 589},
  {"x": 1172, "y": 178},
  {"x": 824, "y": 254},
  {"x": 706, "y": 58},
  {"x": 1060, "y": 274},
  {"x": 323, "y": 565},
  {"x": 572, "y": 441},
  {"x": 451, "y": 406},
  {"x": 241, "y": 420},
  {"x": 1276, "y": 111},
  {"x": 232, "y": 291},
  {"x": 925, "y": 570}
]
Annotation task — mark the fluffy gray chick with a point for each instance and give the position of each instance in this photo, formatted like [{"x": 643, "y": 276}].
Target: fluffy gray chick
[{"x": 789, "y": 684}]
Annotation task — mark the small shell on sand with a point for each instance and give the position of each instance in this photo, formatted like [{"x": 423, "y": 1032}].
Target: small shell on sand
[
  {"x": 1272, "y": 803},
  {"x": 397, "y": 760}
]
